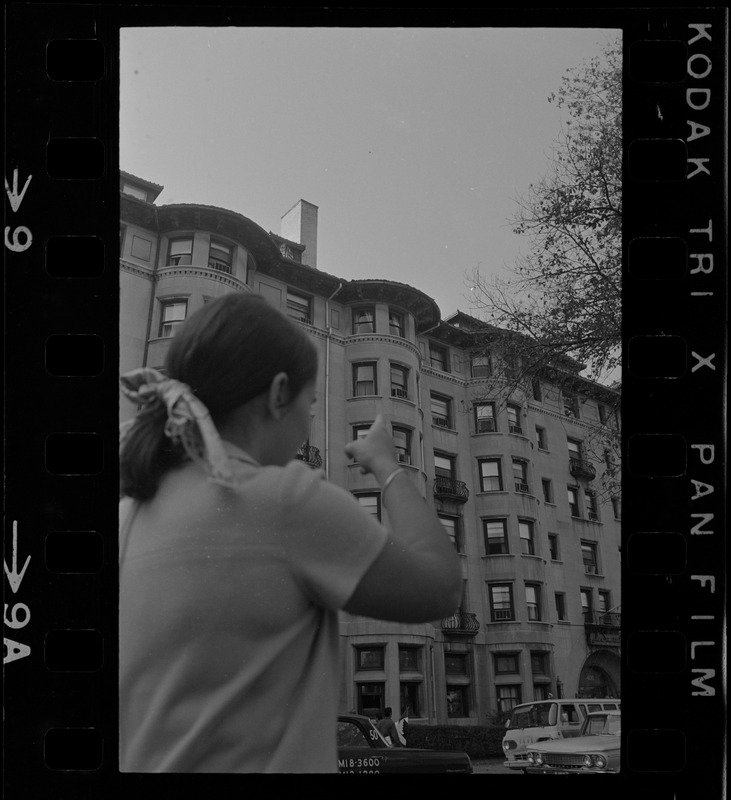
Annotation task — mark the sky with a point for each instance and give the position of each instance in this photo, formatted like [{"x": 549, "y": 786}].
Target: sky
[{"x": 412, "y": 142}]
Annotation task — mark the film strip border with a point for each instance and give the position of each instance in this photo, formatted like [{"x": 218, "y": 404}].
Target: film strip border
[{"x": 61, "y": 356}]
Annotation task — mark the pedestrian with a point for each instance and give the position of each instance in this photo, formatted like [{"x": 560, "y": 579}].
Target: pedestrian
[
  {"x": 235, "y": 557},
  {"x": 387, "y": 728}
]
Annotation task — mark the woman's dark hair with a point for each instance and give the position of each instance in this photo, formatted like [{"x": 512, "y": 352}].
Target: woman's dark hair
[{"x": 228, "y": 352}]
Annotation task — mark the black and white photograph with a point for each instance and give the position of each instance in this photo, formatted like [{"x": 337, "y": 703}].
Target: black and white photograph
[
  {"x": 432, "y": 217},
  {"x": 365, "y": 399}
]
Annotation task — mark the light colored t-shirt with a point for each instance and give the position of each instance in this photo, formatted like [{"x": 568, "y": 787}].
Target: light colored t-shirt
[{"x": 228, "y": 627}]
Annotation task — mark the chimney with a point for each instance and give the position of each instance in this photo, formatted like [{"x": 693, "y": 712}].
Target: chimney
[{"x": 299, "y": 225}]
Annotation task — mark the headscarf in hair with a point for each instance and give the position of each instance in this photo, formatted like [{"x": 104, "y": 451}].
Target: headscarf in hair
[{"x": 189, "y": 421}]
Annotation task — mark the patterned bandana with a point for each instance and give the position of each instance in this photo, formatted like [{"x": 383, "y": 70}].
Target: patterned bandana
[{"x": 189, "y": 421}]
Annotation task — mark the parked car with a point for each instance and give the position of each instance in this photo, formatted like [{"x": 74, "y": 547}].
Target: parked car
[
  {"x": 595, "y": 751},
  {"x": 540, "y": 720},
  {"x": 361, "y": 748}
]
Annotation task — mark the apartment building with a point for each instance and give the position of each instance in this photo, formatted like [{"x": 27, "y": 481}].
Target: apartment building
[{"x": 522, "y": 476}]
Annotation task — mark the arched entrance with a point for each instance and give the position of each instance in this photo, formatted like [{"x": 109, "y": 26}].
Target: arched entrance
[{"x": 600, "y": 675}]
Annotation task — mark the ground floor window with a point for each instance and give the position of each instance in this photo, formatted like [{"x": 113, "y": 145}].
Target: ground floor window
[
  {"x": 457, "y": 701},
  {"x": 411, "y": 699},
  {"x": 508, "y": 696}
]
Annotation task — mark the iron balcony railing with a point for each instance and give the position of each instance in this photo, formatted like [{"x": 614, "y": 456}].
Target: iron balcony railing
[
  {"x": 581, "y": 468},
  {"x": 451, "y": 489},
  {"x": 462, "y": 622},
  {"x": 310, "y": 455},
  {"x": 603, "y": 619}
]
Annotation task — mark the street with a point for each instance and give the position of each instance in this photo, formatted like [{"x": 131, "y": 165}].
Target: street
[{"x": 494, "y": 766}]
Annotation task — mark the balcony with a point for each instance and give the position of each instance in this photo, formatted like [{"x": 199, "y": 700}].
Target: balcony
[
  {"x": 402, "y": 394},
  {"x": 581, "y": 468},
  {"x": 602, "y": 628},
  {"x": 450, "y": 489},
  {"x": 463, "y": 623},
  {"x": 310, "y": 455}
]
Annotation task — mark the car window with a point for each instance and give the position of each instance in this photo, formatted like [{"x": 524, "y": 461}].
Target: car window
[
  {"x": 351, "y": 735},
  {"x": 610, "y": 706},
  {"x": 531, "y": 716},
  {"x": 569, "y": 715},
  {"x": 594, "y": 707}
]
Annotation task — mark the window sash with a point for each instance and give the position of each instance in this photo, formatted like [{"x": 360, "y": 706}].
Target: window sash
[
  {"x": 496, "y": 538},
  {"x": 491, "y": 476},
  {"x": 396, "y": 324},
  {"x": 526, "y": 538},
  {"x": 180, "y": 252},
  {"x": 299, "y": 307},
  {"x": 501, "y": 602},
  {"x": 364, "y": 380},
  {"x": 364, "y": 320},
  {"x": 532, "y": 601}
]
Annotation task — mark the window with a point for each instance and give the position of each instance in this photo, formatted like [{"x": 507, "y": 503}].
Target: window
[
  {"x": 520, "y": 475},
  {"x": 370, "y": 657},
  {"x": 371, "y": 698},
  {"x": 451, "y": 526},
  {"x": 408, "y": 658},
  {"x": 220, "y": 257},
  {"x": 605, "y": 602},
  {"x": 396, "y": 326},
  {"x": 410, "y": 695},
  {"x": 574, "y": 449},
  {"x": 527, "y": 544},
  {"x": 570, "y": 406},
  {"x": 438, "y": 357},
  {"x": 485, "y": 418},
  {"x": 457, "y": 701},
  {"x": 481, "y": 366},
  {"x": 443, "y": 466},
  {"x": 173, "y": 314},
  {"x": 456, "y": 664},
  {"x": 617, "y": 508},
  {"x": 547, "y": 490},
  {"x": 560, "y": 606},
  {"x": 180, "y": 252},
  {"x": 402, "y": 442},
  {"x": 491, "y": 479},
  {"x": 364, "y": 320},
  {"x": 541, "y": 438},
  {"x": 134, "y": 191},
  {"x": 539, "y": 662},
  {"x": 604, "y": 414},
  {"x": 496, "y": 536},
  {"x": 533, "y": 602},
  {"x": 364, "y": 379},
  {"x": 536, "y": 387},
  {"x": 592, "y": 509},
  {"x": 540, "y": 691},
  {"x": 588, "y": 555},
  {"x": 399, "y": 381},
  {"x": 441, "y": 411},
  {"x": 501, "y": 602},
  {"x": 371, "y": 503},
  {"x": 553, "y": 547},
  {"x": 507, "y": 698},
  {"x": 573, "y": 495},
  {"x": 286, "y": 251},
  {"x": 506, "y": 663},
  {"x": 359, "y": 431},
  {"x": 299, "y": 307},
  {"x": 514, "y": 425},
  {"x": 587, "y": 605}
]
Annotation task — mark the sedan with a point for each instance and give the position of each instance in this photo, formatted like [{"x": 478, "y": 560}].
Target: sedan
[
  {"x": 361, "y": 748},
  {"x": 594, "y": 751}
]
